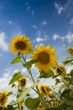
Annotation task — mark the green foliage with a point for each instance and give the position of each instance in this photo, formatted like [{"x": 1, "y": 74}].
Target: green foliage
[
  {"x": 16, "y": 60},
  {"x": 67, "y": 61},
  {"x": 57, "y": 81},
  {"x": 29, "y": 63},
  {"x": 15, "y": 77},
  {"x": 10, "y": 107},
  {"x": 32, "y": 103},
  {"x": 46, "y": 75},
  {"x": 10, "y": 93}
]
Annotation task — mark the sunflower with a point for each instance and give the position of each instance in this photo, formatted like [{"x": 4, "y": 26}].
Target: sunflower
[
  {"x": 22, "y": 81},
  {"x": 45, "y": 57},
  {"x": 20, "y": 44},
  {"x": 3, "y": 98},
  {"x": 60, "y": 69},
  {"x": 45, "y": 90}
]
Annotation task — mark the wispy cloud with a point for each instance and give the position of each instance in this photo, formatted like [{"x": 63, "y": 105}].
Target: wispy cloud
[
  {"x": 55, "y": 36},
  {"x": 10, "y": 22},
  {"x": 44, "y": 23},
  {"x": 68, "y": 37},
  {"x": 71, "y": 21},
  {"x": 32, "y": 12},
  {"x": 34, "y": 26},
  {"x": 3, "y": 43},
  {"x": 40, "y": 39},
  {"x": 59, "y": 8}
]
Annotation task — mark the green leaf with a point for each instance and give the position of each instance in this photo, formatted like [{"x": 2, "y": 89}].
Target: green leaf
[
  {"x": 71, "y": 73},
  {"x": 23, "y": 94},
  {"x": 57, "y": 81},
  {"x": 67, "y": 61},
  {"x": 15, "y": 77},
  {"x": 29, "y": 63},
  {"x": 10, "y": 107},
  {"x": 16, "y": 60},
  {"x": 71, "y": 79},
  {"x": 46, "y": 75},
  {"x": 32, "y": 103},
  {"x": 65, "y": 93},
  {"x": 69, "y": 102},
  {"x": 10, "y": 93},
  {"x": 13, "y": 85}
]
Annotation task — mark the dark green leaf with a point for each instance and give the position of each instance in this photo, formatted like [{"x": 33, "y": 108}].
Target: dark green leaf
[
  {"x": 15, "y": 77},
  {"x": 46, "y": 75},
  {"x": 56, "y": 75},
  {"x": 32, "y": 103},
  {"x": 65, "y": 93},
  {"x": 16, "y": 60},
  {"x": 13, "y": 85},
  {"x": 10, "y": 93},
  {"x": 9, "y": 107},
  {"x": 57, "y": 81},
  {"x": 71, "y": 73},
  {"x": 68, "y": 61},
  {"x": 29, "y": 63}
]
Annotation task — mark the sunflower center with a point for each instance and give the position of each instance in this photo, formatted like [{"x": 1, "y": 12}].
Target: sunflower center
[
  {"x": 20, "y": 45},
  {"x": 43, "y": 90},
  {"x": 59, "y": 70},
  {"x": 43, "y": 57},
  {"x": 23, "y": 82}
]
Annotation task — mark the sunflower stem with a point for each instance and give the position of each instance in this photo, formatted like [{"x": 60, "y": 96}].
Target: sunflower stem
[{"x": 28, "y": 69}]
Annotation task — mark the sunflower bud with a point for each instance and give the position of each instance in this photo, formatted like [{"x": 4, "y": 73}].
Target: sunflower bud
[
  {"x": 70, "y": 50},
  {"x": 22, "y": 81},
  {"x": 60, "y": 69}
]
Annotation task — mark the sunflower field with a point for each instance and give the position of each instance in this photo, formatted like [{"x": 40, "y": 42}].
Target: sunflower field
[{"x": 30, "y": 92}]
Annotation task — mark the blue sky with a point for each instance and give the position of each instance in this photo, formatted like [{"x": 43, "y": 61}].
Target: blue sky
[{"x": 43, "y": 21}]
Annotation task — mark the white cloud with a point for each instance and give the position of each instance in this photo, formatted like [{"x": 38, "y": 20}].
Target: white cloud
[
  {"x": 55, "y": 36},
  {"x": 3, "y": 43},
  {"x": 28, "y": 7},
  {"x": 71, "y": 21},
  {"x": 44, "y": 23},
  {"x": 59, "y": 8},
  {"x": 10, "y": 22},
  {"x": 34, "y": 26},
  {"x": 40, "y": 39},
  {"x": 69, "y": 37},
  {"x": 69, "y": 68}
]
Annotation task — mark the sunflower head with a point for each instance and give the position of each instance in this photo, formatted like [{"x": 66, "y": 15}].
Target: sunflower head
[
  {"x": 60, "y": 69},
  {"x": 70, "y": 50},
  {"x": 3, "y": 98},
  {"x": 22, "y": 81},
  {"x": 45, "y": 90},
  {"x": 20, "y": 44},
  {"x": 45, "y": 57}
]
